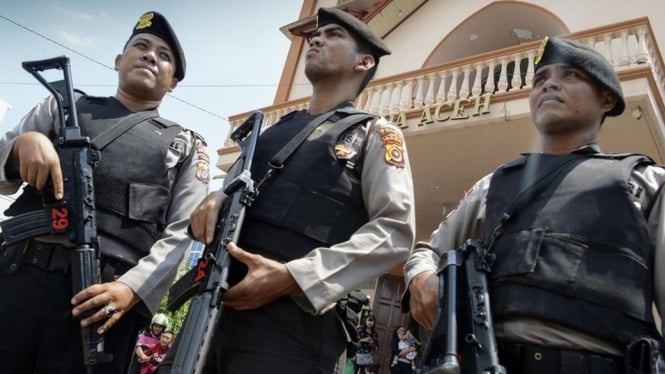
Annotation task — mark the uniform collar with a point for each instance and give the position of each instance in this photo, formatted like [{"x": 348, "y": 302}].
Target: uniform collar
[{"x": 587, "y": 149}]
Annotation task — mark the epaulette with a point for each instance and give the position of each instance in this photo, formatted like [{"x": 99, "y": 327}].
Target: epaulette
[
  {"x": 199, "y": 137},
  {"x": 621, "y": 156},
  {"x": 287, "y": 115},
  {"x": 165, "y": 122}
]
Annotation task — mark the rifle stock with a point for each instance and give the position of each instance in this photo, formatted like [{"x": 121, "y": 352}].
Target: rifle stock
[
  {"x": 208, "y": 281},
  {"x": 477, "y": 345},
  {"x": 74, "y": 215}
]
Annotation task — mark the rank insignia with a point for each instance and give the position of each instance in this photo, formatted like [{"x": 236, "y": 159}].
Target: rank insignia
[
  {"x": 541, "y": 50},
  {"x": 145, "y": 21},
  {"x": 343, "y": 150},
  {"x": 393, "y": 143}
]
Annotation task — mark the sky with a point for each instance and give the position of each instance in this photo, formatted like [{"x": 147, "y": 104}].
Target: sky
[{"x": 234, "y": 49}]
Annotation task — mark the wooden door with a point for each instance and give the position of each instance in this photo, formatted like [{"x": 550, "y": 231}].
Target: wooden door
[{"x": 388, "y": 316}]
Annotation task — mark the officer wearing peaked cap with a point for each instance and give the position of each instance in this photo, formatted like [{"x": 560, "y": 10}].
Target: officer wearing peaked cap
[
  {"x": 339, "y": 212},
  {"x": 143, "y": 204},
  {"x": 579, "y": 262}
]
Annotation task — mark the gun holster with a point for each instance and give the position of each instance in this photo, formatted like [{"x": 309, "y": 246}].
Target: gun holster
[
  {"x": 348, "y": 311},
  {"x": 645, "y": 355}
]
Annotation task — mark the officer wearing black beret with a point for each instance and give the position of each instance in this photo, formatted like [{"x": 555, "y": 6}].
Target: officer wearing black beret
[
  {"x": 339, "y": 212},
  {"x": 558, "y": 50},
  {"x": 576, "y": 233},
  {"x": 155, "y": 24},
  {"x": 151, "y": 174},
  {"x": 358, "y": 28}
]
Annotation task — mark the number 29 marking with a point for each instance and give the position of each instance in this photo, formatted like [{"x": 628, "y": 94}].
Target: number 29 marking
[{"x": 59, "y": 218}]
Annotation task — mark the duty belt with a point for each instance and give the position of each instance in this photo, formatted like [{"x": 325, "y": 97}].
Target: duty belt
[
  {"x": 528, "y": 359},
  {"x": 55, "y": 257}
]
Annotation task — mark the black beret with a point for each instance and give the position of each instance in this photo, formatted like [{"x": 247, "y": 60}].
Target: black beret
[
  {"x": 355, "y": 26},
  {"x": 556, "y": 50},
  {"x": 154, "y": 23}
]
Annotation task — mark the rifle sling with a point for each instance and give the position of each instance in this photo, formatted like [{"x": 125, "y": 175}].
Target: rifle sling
[
  {"x": 530, "y": 191},
  {"x": 277, "y": 162},
  {"x": 112, "y": 133},
  {"x": 280, "y": 157}
]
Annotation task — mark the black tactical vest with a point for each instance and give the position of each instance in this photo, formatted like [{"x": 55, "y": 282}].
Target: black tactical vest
[
  {"x": 577, "y": 253},
  {"x": 314, "y": 201},
  {"x": 132, "y": 190}
]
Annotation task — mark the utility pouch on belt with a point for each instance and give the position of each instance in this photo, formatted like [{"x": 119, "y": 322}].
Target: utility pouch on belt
[
  {"x": 348, "y": 311},
  {"x": 645, "y": 355}
]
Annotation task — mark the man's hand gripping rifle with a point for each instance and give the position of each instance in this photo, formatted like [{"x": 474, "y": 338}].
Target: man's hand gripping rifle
[
  {"x": 73, "y": 216},
  {"x": 477, "y": 345},
  {"x": 207, "y": 283}
]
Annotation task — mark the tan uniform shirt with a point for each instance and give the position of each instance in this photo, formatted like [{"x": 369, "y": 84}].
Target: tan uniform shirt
[
  {"x": 327, "y": 274},
  {"x": 467, "y": 221},
  {"x": 154, "y": 274}
]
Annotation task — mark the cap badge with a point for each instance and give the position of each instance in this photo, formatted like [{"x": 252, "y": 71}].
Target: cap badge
[
  {"x": 145, "y": 21},
  {"x": 541, "y": 50}
]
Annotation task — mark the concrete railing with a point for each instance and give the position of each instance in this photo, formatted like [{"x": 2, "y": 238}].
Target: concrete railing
[{"x": 625, "y": 45}]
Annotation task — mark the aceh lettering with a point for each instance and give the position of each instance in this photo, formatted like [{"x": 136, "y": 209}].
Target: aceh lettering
[{"x": 448, "y": 110}]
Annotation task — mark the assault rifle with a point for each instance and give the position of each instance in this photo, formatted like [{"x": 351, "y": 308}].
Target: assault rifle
[
  {"x": 207, "y": 283},
  {"x": 477, "y": 345},
  {"x": 74, "y": 215}
]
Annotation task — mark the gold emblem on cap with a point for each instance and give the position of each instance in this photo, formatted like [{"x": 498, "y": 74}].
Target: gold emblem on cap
[
  {"x": 144, "y": 21},
  {"x": 541, "y": 50}
]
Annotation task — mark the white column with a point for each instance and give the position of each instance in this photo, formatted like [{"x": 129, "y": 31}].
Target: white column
[
  {"x": 441, "y": 93},
  {"x": 503, "y": 75},
  {"x": 516, "y": 82},
  {"x": 452, "y": 91},
  {"x": 477, "y": 81},
  {"x": 464, "y": 88},
  {"x": 489, "y": 85}
]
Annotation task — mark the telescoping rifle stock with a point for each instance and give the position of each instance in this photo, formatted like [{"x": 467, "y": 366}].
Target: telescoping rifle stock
[
  {"x": 207, "y": 283},
  {"x": 477, "y": 344},
  {"x": 74, "y": 215}
]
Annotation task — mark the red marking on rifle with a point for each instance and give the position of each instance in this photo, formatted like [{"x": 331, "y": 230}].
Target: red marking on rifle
[
  {"x": 59, "y": 220},
  {"x": 200, "y": 270}
]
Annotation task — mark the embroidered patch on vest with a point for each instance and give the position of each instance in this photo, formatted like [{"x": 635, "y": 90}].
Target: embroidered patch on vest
[
  {"x": 202, "y": 164},
  {"x": 349, "y": 143},
  {"x": 393, "y": 143}
]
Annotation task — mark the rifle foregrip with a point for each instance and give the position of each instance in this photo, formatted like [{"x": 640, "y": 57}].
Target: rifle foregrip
[
  {"x": 196, "y": 334},
  {"x": 85, "y": 273}
]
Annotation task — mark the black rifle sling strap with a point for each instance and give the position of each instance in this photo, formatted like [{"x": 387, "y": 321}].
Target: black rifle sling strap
[
  {"x": 540, "y": 182},
  {"x": 277, "y": 162},
  {"x": 112, "y": 133}
]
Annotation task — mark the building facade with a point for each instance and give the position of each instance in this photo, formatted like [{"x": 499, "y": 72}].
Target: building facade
[{"x": 457, "y": 83}]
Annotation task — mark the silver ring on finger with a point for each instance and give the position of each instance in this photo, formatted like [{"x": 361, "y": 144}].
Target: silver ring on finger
[{"x": 109, "y": 310}]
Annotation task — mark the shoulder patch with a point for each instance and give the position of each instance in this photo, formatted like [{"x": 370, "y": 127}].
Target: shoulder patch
[
  {"x": 393, "y": 143},
  {"x": 202, "y": 163}
]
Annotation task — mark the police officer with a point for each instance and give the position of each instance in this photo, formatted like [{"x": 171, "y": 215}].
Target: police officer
[
  {"x": 580, "y": 262},
  {"x": 338, "y": 214},
  {"x": 149, "y": 178}
]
